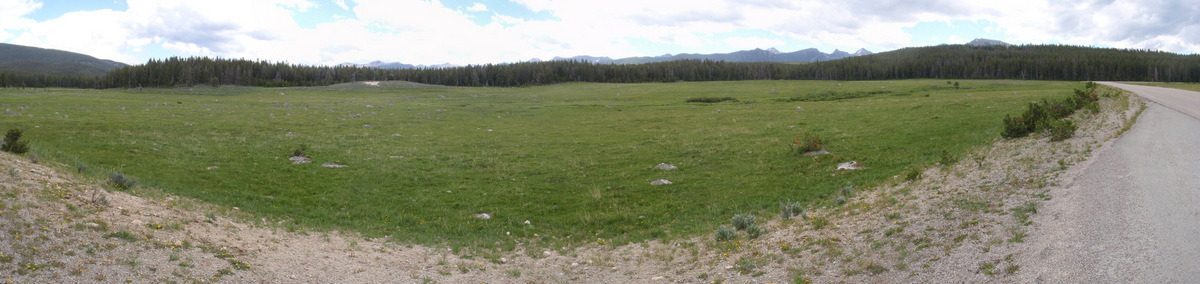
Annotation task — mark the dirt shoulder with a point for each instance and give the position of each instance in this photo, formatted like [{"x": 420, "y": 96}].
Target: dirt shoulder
[{"x": 961, "y": 222}]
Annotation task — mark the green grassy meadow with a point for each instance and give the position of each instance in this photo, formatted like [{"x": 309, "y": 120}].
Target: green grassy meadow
[{"x": 574, "y": 159}]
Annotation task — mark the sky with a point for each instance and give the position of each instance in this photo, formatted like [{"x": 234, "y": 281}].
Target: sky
[{"x": 460, "y": 32}]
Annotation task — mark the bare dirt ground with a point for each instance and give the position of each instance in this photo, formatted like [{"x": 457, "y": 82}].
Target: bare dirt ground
[{"x": 961, "y": 222}]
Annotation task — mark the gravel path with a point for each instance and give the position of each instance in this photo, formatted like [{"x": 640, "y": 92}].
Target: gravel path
[{"x": 1132, "y": 214}]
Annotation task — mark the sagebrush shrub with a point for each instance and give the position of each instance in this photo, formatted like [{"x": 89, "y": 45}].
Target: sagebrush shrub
[
  {"x": 121, "y": 181},
  {"x": 726, "y": 233},
  {"x": 789, "y": 209},
  {"x": 741, "y": 221},
  {"x": 754, "y": 231}
]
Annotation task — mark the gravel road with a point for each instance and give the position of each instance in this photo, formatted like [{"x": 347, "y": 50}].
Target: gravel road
[{"x": 1131, "y": 214}]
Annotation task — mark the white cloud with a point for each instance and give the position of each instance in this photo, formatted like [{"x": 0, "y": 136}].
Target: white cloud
[
  {"x": 429, "y": 32},
  {"x": 478, "y": 7},
  {"x": 12, "y": 16}
]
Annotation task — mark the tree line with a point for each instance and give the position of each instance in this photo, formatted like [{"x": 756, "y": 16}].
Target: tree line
[{"x": 1031, "y": 62}]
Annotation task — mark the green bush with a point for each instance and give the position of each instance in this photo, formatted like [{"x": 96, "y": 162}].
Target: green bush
[
  {"x": 121, "y": 181},
  {"x": 789, "y": 209},
  {"x": 12, "y": 143},
  {"x": 742, "y": 221},
  {"x": 1014, "y": 127},
  {"x": 754, "y": 231},
  {"x": 726, "y": 233},
  {"x": 1046, "y": 117},
  {"x": 1060, "y": 130},
  {"x": 810, "y": 142},
  {"x": 711, "y": 100},
  {"x": 299, "y": 151}
]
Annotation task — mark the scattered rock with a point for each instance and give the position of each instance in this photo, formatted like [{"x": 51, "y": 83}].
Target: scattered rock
[
  {"x": 188, "y": 124},
  {"x": 92, "y": 225},
  {"x": 289, "y": 134},
  {"x": 660, "y": 182},
  {"x": 333, "y": 165},
  {"x": 574, "y": 264},
  {"x": 526, "y": 222},
  {"x": 546, "y": 253},
  {"x": 817, "y": 152},
  {"x": 799, "y": 108},
  {"x": 489, "y": 130},
  {"x": 851, "y": 165},
  {"x": 367, "y": 126},
  {"x": 503, "y": 260},
  {"x": 396, "y": 157},
  {"x": 213, "y": 167},
  {"x": 396, "y": 134},
  {"x": 299, "y": 160},
  {"x": 665, "y": 166},
  {"x": 484, "y": 216},
  {"x": 660, "y": 277}
]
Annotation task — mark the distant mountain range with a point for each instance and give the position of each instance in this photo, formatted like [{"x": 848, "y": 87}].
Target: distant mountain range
[
  {"x": 19, "y": 58},
  {"x": 987, "y": 42},
  {"x": 397, "y": 65},
  {"x": 755, "y": 55}
]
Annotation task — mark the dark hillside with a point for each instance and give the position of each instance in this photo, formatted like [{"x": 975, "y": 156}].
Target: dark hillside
[{"x": 18, "y": 58}]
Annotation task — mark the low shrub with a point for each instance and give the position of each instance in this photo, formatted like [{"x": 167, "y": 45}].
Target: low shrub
[
  {"x": 754, "y": 231},
  {"x": 810, "y": 142},
  {"x": 726, "y": 233},
  {"x": 711, "y": 100},
  {"x": 789, "y": 209},
  {"x": 742, "y": 221},
  {"x": 12, "y": 143},
  {"x": 1014, "y": 127},
  {"x": 1060, "y": 130},
  {"x": 121, "y": 181},
  {"x": 300, "y": 151}
]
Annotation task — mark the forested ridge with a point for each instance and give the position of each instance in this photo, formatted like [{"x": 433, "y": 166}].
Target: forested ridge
[{"x": 1034, "y": 62}]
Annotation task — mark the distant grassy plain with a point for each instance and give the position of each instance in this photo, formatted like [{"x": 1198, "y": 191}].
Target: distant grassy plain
[{"x": 575, "y": 160}]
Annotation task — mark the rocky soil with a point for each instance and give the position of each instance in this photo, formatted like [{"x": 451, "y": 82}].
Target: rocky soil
[{"x": 959, "y": 222}]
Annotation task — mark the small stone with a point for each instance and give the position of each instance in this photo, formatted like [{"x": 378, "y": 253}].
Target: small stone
[
  {"x": 367, "y": 126},
  {"x": 851, "y": 165},
  {"x": 188, "y": 124},
  {"x": 657, "y": 278},
  {"x": 799, "y": 108},
  {"x": 546, "y": 253},
  {"x": 213, "y": 167},
  {"x": 397, "y": 134},
  {"x": 574, "y": 264},
  {"x": 289, "y": 134},
  {"x": 333, "y": 165},
  {"x": 396, "y": 157},
  {"x": 665, "y": 166},
  {"x": 527, "y": 222},
  {"x": 489, "y": 130},
  {"x": 484, "y": 216},
  {"x": 237, "y": 209},
  {"x": 660, "y": 182},
  {"x": 299, "y": 160},
  {"x": 503, "y": 260},
  {"x": 92, "y": 225}
]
